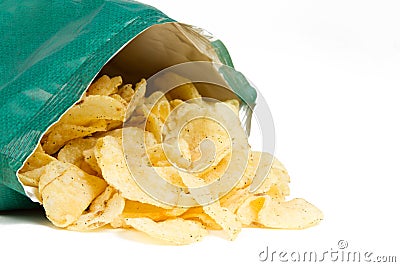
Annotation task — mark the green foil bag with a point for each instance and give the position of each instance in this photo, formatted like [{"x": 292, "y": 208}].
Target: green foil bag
[{"x": 51, "y": 51}]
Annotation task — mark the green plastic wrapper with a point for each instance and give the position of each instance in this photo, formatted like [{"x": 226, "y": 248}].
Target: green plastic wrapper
[{"x": 50, "y": 53}]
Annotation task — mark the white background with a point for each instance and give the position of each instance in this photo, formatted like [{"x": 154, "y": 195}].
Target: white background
[{"x": 330, "y": 72}]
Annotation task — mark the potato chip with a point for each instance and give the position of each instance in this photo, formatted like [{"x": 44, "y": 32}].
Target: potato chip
[
  {"x": 294, "y": 214},
  {"x": 111, "y": 160},
  {"x": 126, "y": 92},
  {"x": 248, "y": 211},
  {"x": 137, "y": 98},
  {"x": 135, "y": 209},
  {"x": 67, "y": 196},
  {"x": 176, "y": 231},
  {"x": 161, "y": 110},
  {"x": 105, "y": 86},
  {"x": 119, "y": 99},
  {"x": 277, "y": 180},
  {"x": 52, "y": 171},
  {"x": 29, "y": 180},
  {"x": 154, "y": 98},
  {"x": 184, "y": 92},
  {"x": 175, "y": 102},
  {"x": 103, "y": 210},
  {"x": 32, "y": 178},
  {"x": 221, "y": 215},
  {"x": 72, "y": 152},
  {"x": 198, "y": 214},
  {"x": 155, "y": 126},
  {"x": 63, "y": 133},
  {"x": 234, "y": 199},
  {"x": 90, "y": 161},
  {"x": 92, "y": 108},
  {"x": 170, "y": 174},
  {"x": 38, "y": 159}
]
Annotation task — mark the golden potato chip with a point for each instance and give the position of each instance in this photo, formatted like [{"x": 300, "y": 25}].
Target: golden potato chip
[
  {"x": 170, "y": 174},
  {"x": 294, "y": 214},
  {"x": 184, "y": 92},
  {"x": 126, "y": 92},
  {"x": 221, "y": 215},
  {"x": 135, "y": 209},
  {"x": 111, "y": 160},
  {"x": 103, "y": 210},
  {"x": 161, "y": 110},
  {"x": 157, "y": 156},
  {"x": 94, "y": 107},
  {"x": 137, "y": 98},
  {"x": 72, "y": 152},
  {"x": 234, "y": 199},
  {"x": 52, "y": 171},
  {"x": 38, "y": 159},
  {"x": 175, "y": 102},
  {"x": 177, "y": 231},
  {"x": 63, "y": 133},
  {"x": 198, "y": 214},
  {"x": 105, "y": 86},
  {"x": 90, "y": 161},
  {"x": 277, "y": 180},
  {"x": 29, "y": 180},
  {"x": 120, "y": 99},
  {"x": 248, "y": 211},
  {"x": 155, "y": 126},
  {"x": 67, "y": 196},
  {"x": 154, "y": 98}
]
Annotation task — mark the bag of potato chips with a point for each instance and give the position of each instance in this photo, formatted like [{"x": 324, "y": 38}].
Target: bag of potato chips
[
  {"x": 113, "y": 114},
  {"x": 52, "y": 51}
]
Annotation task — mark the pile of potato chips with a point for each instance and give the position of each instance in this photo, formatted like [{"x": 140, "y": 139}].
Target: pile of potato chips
[{"x": 80, "y": 175}]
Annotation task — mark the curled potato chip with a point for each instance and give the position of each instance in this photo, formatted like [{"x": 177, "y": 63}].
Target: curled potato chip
[
  {"x": 184, "y": 92},
  {"x": 90, "y": 161},
  {"x": 62, "y": 133},
  {"x": 94, "y": 107},
  {"x": 161, "y": 110},
  {"x": 120, "y": 99},
  {"x": 66, "y": 196},
  {"x": 126, "y": 92},
  {"x": 105, "y": 86},
  {"x": 248, "y": 211},
  {"x": 29, "y": 180},
  {"x": 32, "y": 178},
  {"x": 155, "y": 126},
  {"x": 38, "y": 159},
  {"x": 221, "y": 215},
  {"x": 154, "y": 98},
  {"x": 137, "y": 98},
  {"x": 175, "y": 102},
  {"x": 294, "y": 214},
  {"x": 234, "y": 199},
  {"x": 103, "y": 210},
  {"x": 277, "y": 180},
  {"x": 111, "y": 160},
  {"x": 135, "y": 209},
  {"x": 177, "y": 231},
  {"x": 72, "y": 152},
  {"x": 198, "y": 214}
]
